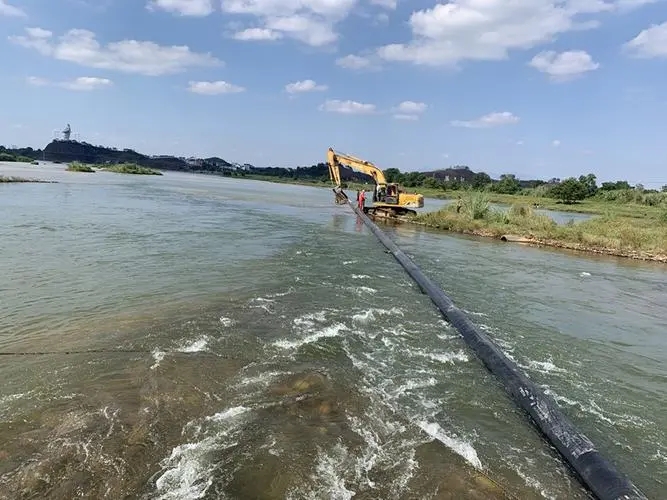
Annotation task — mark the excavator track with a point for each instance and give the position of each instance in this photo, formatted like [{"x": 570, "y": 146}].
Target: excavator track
[{"x": 391, "y": 213}]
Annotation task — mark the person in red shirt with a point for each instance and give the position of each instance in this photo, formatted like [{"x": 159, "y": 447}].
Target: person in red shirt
[{"x": 362, "y": 199}]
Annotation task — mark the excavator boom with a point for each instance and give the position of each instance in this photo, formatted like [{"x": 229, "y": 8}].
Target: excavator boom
[{"x": 389, "y": 200}]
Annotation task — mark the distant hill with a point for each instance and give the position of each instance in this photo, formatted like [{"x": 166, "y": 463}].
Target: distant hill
[
  {"x": 461, "y": 174},
  {"x": 65, "y": 151},
  {"x": 68, "y": 151}
]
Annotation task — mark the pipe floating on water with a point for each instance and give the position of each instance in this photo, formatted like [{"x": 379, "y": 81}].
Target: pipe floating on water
[{"x": 596, "y": 473}]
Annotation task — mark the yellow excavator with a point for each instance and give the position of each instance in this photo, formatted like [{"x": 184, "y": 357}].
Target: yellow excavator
[{"x": 389, "y": 200}]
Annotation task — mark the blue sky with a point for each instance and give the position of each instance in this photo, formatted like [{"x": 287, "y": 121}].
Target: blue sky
[{"x": 538, "y": 88}]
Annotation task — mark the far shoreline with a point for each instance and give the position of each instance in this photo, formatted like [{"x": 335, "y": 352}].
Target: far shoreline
[{"x": 471, "y": 227}]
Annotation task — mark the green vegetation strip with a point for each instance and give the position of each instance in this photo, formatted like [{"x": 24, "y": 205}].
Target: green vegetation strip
[
  {"x": 120, "y": 168},
  {"x": 9, "y": 157},
  {"x": 130, "y": 168},
  {"x": 611, "y": 233},
  {"x": 79, "y": 167},
  {"x": 6, "y": 180}
]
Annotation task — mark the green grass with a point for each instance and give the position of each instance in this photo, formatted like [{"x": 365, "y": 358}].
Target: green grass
[
  {"x": 634, "y": 207},
  {"x": 610, "y": 233},
  {"x": 6, "y": 180},
  {"x": 130, "y": 168},
  {"x": 79, "y": 167},
  {"x": 14, "y": 158}
]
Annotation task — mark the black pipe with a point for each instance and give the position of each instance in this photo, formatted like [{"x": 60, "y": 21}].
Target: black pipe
[{"x": 580, "y": 453}]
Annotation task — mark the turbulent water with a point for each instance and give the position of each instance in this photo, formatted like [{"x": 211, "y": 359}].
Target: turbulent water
[{"x": 254, "y": 340}]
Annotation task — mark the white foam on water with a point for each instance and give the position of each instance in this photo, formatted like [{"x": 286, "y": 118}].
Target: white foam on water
[
  {"x": 13, "y": 397},
  {"x": 360, "y": 277},
  {"x": 532, "y": 482},
  {"x": 459, "y": 446},
  {"x": 444, "y": 357},
  {"x": 592, "y": 408},
  {"x": 309, "y": 320},
  {"x": 475, "y": 313},
  {"x": 348, "y": 262},
  {"x": 390, "y": 393},
  {"x": 545, "y": 367},
  {"x": 227, "y": 322},
  {"x": 361, "y": 290},
  {"x": 158, "y": 356},
  {"x": 328, "y": 331},
  {"x": 198, "y": 345},
  {"x": 281, "y": 294},
  {"x": 584, "y": 273},
  {"x": 262, "y": 303},
  {"x": 370, "y": 314},
  {"x": 187, "y": 471},
  {"x": 263, "y": 378},
  {"x": 328, "y": 479}
]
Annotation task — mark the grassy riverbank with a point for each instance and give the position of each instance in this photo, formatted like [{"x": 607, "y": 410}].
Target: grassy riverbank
[
  {"x": 611, "y": 233},
  {"x": 6, "y": 180},
  {"x": 130, "y": 168},
  {"x": 120, "y": 168},
  {"x": 79, "y": 167},
  {"x": 593, "y": 206}
]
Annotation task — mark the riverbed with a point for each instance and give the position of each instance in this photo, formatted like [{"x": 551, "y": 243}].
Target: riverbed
[{"x": 254, "y": 340}]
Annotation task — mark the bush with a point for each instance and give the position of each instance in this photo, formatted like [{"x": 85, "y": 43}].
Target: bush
[
  {"x": 132, "y": 168},
  {"x": 78, "y": 167}
]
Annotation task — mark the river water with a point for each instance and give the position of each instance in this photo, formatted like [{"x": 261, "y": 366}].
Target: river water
[{"x": 254, "y": 340}]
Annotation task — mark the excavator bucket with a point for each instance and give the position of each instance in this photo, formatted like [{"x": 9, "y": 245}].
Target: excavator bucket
[{"x": 340, "y": 197}]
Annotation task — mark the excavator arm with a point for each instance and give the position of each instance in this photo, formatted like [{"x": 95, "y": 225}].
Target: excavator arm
[{"x": 334, "y": 160}]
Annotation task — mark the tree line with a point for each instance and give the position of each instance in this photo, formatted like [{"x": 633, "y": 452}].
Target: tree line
[{"x": 456, "y": 178}]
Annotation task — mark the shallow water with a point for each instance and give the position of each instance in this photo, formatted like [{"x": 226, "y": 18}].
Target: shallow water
[{"x": 280, "y": 353}]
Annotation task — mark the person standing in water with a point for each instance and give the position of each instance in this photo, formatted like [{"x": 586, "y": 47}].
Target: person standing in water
[{"x": 362, "y": 199}]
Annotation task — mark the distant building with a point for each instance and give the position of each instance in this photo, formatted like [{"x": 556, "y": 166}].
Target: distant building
[{"x": 194, "y": 162}]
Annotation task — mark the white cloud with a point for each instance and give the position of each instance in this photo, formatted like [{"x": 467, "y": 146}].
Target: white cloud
[
  {"x": 651, "y": 42},
  {"x": 36, "y": 81},
  {"x": 564, "y": 66},
  {"x": 555, "y": 143},
  {"x": 195, "y": 8},
  {"x": 461, "y": 30},
  {"x": 10, "y": 10},
  {"x": 633, "y": 4},
  {"x": 409, "y": 110},
  {"x": 311, "y": 22},
  {"x": 304, "y": 86},
  {"x": 257, "y": 34},
  {"x": 491, "y": 120},
  {"x": 130, "y": 56},
  {"x": 347, "y": 107},
  {"x": 387, "y": 4},
  {"x": 214, "y": 88},
  {"x": 401, "y": 116},
  {"x": 411, "y": 107},
  {"x": 82, "y": 83},
  {"x": 85, "y": 83},
  {"x": 354, "y": 62},
  {"x": 519, "y": 143}
]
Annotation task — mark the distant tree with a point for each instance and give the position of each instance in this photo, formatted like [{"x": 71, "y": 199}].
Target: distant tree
[
  {"x": 589, "y": 182},
  {"x": 664, "y": 188},
  {"x": 508, "y": 184},
  {"x": 570, "y": 190},
  {"x": 480, "y": 180},
  {"x": 612, "y": 186},
  {"x": 393, "y": 175}
]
